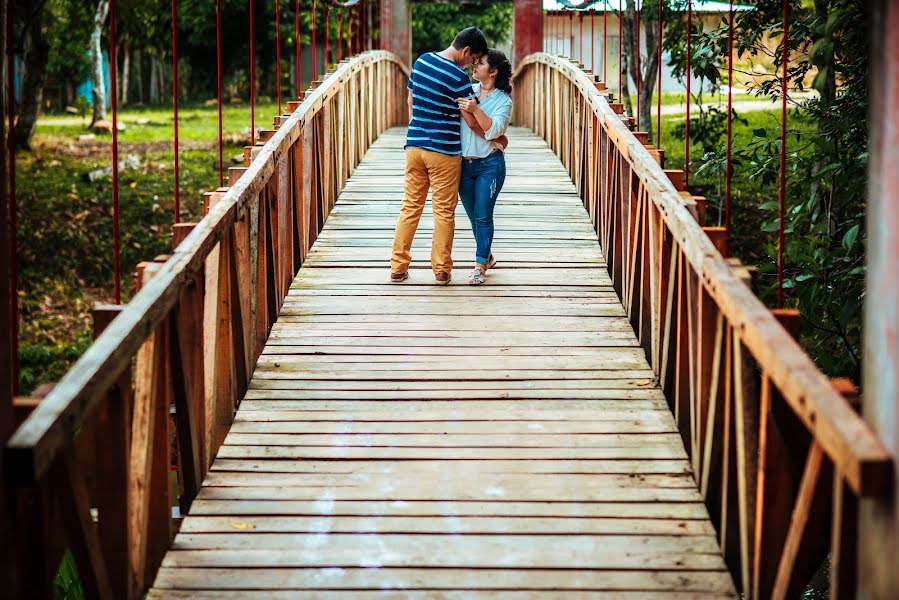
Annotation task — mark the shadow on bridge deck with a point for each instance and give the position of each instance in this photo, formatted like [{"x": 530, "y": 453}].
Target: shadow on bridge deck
[{"x": 418, "y": 441}]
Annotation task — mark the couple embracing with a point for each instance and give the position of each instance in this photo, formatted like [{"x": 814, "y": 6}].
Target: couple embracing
[{"x": 454, "y": 147}]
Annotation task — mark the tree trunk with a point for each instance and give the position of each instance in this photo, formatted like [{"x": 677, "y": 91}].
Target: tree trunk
[
  {"x": 648, "y": 63},
  {"x": 154, "y": 81},
  {"x": 139, "y": 74},
  {"x": 126, "y": 72},
  {"x": 98, "y": 83},
  {"x": 34, "y": 73},
  {"x": 628, "y": 43}
]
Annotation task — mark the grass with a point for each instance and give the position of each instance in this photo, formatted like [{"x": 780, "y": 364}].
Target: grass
[{"x": 65, "y": 222}]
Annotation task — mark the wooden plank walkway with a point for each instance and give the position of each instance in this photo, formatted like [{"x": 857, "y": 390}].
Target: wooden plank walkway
[{"x": 415, "y": 441}]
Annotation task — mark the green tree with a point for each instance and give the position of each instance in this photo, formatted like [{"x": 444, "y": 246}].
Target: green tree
[{"x": 435, "y": 24}]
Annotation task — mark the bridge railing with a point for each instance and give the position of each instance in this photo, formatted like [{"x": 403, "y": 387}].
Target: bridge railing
[
  {"x": 778, "y": 451},
  {"x": 144, "y": 410}
]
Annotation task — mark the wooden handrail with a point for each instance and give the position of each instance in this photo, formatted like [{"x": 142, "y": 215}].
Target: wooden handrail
[
  {"x": 192, "y": 334},
  {"x": 753, "y": 410},
  {"x": 36, "y": 442},
  {"x": 844, "y": 436}
]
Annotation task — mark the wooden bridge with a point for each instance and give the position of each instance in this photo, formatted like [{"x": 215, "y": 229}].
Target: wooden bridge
[{"x": 614, "y": 414}]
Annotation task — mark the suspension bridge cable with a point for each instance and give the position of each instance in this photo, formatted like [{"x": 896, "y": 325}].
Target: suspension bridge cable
[
  {"x": 175, "y": 106},
  {"x": 218, "y": 62},
  {"x": 730, "y": 107},
  {"x": 620, "y": 29},
  {"x": 252, "y": 79},
  {"x": 278, "y": 51},
  {"x": 659, "y": 98},
  {"x": 13, "y": 308},
  {"x": 593, "y": 40},
  {"x": 297, "y": 70},
  {"x": 604, "y": 39},
  {"x": 689, "y": 76},
  {"x": 637, "y": 76},
  {"x": 113, "y": 67},
  {"x": 783, "y": 157},
  {"x": 314, "y": 58}
]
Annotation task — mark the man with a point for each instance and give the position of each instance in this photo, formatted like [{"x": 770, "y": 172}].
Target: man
[{"x": 434, "y": 151}]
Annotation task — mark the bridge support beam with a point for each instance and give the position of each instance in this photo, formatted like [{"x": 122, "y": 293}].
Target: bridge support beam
[
  {"x": 396, "y": 28},
  {"x": 879, "y": 519},
  {"x": 527, "y": 36}
]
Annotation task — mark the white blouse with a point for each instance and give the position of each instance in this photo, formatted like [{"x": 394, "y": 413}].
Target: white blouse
[{"x": 498, "y": 106}]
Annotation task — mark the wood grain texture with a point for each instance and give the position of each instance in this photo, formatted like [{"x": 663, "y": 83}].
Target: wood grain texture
[{"x": 406, "y": 440}]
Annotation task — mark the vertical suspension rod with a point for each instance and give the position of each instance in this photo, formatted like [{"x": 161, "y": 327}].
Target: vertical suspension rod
[
  {"x": 175, "y": 105},
  {"x": 659, "y": 99},
  {"x": 637, "y": 76},
  {"x": 13, "y": 308},
  {"x": 252, "y": 79},
  {"x": 783, "y": 157},
  {"x": 593, "y": 39},
  {"x": 278, "y": 51},
  {"x": 605, "y": 32},
  {"x": 314, "y": 48},
  {"x": 730, "y": 107},
  {"x": 620, "y": 30},
  {"x": 297, "y": 70},
  {"x": 689, "y": 76},
  {"x": 218, "y": 62},
  {"x": 113, "y": 67}
]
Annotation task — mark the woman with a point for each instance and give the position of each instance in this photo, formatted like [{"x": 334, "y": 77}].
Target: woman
[{"x": 484, "y": 121}]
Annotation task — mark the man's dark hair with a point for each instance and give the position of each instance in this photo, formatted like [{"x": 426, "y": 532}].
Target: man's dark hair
[{"x": 473, "y": 38}]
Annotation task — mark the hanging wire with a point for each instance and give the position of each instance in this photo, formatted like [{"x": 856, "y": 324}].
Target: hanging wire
[
  {"x": 175, "y": 106},
  {"x": 689, "y": 76},
  {"x": 730, "y": 106},
  {"x": 278, "y": 51},
  {"x": 252, "y": 79},
  {"x": 638, "y": 74},
  {"x": 580, "y": 37},
  {"x": 659, "y": 99},
  {"x": 314, "y": 59},
  {"x": 339, "y": 36},
  {"x": 218, "y": 62},
  {"x": 13, "y": 307},
  {"x": 620, "y": 30},
  {"x": 298, "y": 74},
  {"x": 113, "y": 67},
  {"x": 783, "y": 158},
  {"x": 327, "y": 37},
  {"x": 604, "y": 39}
]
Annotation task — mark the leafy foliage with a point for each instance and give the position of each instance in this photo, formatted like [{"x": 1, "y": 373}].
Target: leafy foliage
[
  {"x": 434, "y": 25},
  {"x": 826, "y": 164}
]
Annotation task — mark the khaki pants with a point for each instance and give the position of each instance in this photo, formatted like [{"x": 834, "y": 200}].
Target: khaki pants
[{"x": 440, "y": 172}]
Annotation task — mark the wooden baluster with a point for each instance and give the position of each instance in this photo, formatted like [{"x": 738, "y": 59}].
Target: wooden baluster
[
  {"x": 113, "y": 502},
  {"x": 72, "y": 495},
  {"x": 775, "y": 483},
  {"x": 844, "y": 523},
  {"x": 150, "y": 522}
]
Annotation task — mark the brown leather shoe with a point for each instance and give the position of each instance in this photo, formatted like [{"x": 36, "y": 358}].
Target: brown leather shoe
[
  {"x": 399, "y": 277},
  {"x": 442, "y": 278}
]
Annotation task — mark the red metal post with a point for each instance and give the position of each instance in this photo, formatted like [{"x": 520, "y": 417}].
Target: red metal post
[
  {"x": 689, "y": 75},
  {"x": 528, "y": 32},
  {"x": 12, "y": 214},
  {"x": 252, "y": 79},
  {"x": 605, "y": 37},
  {"x": 328, "y": 52},
  {"x": 580, "y": 37},
  {"x": 620, "y": 30},
  {"x": 785, "y": 57},
  {"x": 730, "y": 105},
  {"x": 113, "y": 87},
  {"x": 314, "y": 47},
  {"x": 659, "y": 98},
  {"x": 339, "y": 36},
  {"x": 278, "y": 51},
  {"x": 637, "y": 71},
  {"x": 175, "y": 105},
  {"x": 218, "y": 61}
]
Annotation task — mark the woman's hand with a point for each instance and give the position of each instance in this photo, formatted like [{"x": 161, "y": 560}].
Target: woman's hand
[{"x": 469, "y": 105}]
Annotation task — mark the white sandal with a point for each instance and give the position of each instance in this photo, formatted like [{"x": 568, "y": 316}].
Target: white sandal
[{"x": 476, "y": 277}]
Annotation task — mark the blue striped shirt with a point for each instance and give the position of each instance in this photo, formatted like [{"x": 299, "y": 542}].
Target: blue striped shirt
[{"x": 435, "y": 84}]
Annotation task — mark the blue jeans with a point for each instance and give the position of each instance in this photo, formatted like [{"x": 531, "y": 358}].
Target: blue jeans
[{"x": 482, "y": 180}]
